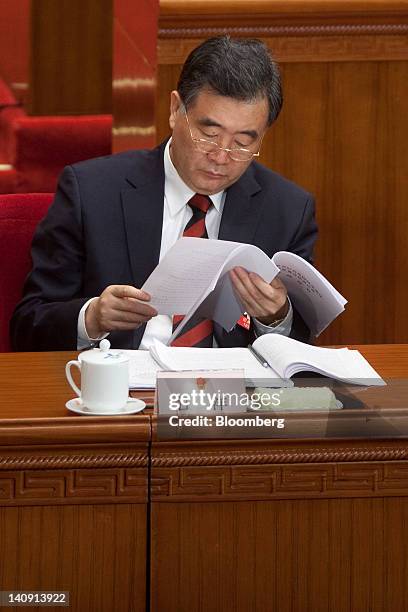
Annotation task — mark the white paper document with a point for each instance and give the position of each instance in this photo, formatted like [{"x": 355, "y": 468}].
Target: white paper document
[
  {"x": 217, "y": 359},
  {"x": 284, "y": 356},
  {"x": 288, "y": 357},
  {"x": 142, "y": 369},
  {"x": 193, "y": 268},
  {"x": 313, "y": 296},
  {"x": 194, "y": 276}
]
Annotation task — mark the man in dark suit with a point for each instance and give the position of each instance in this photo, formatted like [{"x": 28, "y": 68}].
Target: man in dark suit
[{"x": 114, "y": 218}]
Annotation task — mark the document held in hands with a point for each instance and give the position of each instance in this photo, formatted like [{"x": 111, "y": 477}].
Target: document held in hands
[
  {"x": 193, "y": 276},
  {"x": 284, "y": 358}
]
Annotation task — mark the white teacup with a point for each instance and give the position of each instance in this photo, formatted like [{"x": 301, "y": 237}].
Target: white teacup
[{"x": 104, "y": 378}]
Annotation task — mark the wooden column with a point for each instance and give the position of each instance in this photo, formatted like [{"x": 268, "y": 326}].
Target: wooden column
[
  {"x": 134, "y": 73},
  {"x": 15, "y": 45},
  {"x": 71, "y": 57}
]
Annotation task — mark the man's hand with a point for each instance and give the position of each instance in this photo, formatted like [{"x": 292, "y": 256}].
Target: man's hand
[
  {"x": 266, "y": 302},
  {"x": 118, "y": 307}
]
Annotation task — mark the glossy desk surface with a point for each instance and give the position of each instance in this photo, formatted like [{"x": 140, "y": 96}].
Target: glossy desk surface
[{"x": 34, "y": 392}]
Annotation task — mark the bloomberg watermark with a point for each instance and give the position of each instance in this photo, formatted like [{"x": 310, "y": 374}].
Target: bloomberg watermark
[{"x": 225, "y": 420}]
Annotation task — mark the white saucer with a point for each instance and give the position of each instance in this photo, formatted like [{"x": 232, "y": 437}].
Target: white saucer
[{"x": 133, "y": 405}]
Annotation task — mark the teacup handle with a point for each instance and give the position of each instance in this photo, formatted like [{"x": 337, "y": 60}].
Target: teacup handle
[{"x": 69, "y": 376}]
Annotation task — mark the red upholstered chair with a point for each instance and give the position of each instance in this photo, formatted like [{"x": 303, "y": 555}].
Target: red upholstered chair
[
  {"x": 19, "y": 216},
  {"x": 44, "y": 145},
  {"x": 36, "y": 149}
]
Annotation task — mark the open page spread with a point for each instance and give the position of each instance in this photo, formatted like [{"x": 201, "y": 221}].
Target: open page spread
[
  {"x": 184, "y": 359},
  {"x": 284, "y": 357},
  {"x": 288, "y": 356}
]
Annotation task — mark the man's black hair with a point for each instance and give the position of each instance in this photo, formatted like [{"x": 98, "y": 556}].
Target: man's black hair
[{"x": 238, "y": 68}]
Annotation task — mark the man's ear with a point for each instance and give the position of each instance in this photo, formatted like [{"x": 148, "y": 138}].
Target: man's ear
[{"x": 175, "y": 104}]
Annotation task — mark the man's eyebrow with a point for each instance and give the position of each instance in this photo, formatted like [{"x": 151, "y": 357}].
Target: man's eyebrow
[{"x": 207, "y": 122}]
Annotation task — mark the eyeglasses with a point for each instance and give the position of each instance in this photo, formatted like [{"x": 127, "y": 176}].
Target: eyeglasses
[{"x": 208, "y": 146}]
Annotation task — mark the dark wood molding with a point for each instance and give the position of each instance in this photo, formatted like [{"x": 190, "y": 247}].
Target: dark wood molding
[
  {"x": 309, "y": 31},
  {"x": 283, "y": 12},
  {"x": 200, "y": 19},
  {"x": 67, "y": 430},
  {"x": 54, "y": 487},
  {"x": 272, "y": 455},
  {"x": 355, "y": 29},
  {"x": 79, "y": 458},
  {"x": 279, "y": 482}
]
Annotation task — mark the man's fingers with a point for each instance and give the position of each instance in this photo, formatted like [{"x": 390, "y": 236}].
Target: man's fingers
[
  {"x": 132, "y": 306},
  {"x": 260, "y": 299},
  {"x": 244, "y": 293},
  {"x": 127, "y": 291},
  {"x": 118, "y": 307},
  {"x": 127, "y": 299},
  {"x": 253, "y": 288},
  {"x": 277, "y": 283},
  {"x": 118, "y": 316}
]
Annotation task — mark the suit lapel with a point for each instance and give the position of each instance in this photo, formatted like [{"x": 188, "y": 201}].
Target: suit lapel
[
  {"x": 241, "y": 212},
  {"x": 142, "y": 206}
]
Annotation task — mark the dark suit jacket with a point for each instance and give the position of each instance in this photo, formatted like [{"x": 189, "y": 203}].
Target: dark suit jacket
[{"x": 104, "y": 228}]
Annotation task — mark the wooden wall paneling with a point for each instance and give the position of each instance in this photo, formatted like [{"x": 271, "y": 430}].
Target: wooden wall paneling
[
  {"x": 320, "y": 555},
  {"x": 395, "y": 535},
  {"x": 361, "y": 204},
  {"x": 342, "y": 134},
  {"x": 71, "y": 57},
  {"x": 91, "y": 551}
]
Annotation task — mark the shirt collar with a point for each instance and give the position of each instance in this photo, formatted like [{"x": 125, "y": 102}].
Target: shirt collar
[{"x": 176, "y": 192}]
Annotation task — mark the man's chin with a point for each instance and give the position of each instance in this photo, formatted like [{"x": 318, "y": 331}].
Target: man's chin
[{"x": 211, "y": 184}]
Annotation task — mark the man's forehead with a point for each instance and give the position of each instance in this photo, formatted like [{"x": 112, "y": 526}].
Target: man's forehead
[
  {"x": 208, "y": 122},
  {"x": 239, "y": 116}
]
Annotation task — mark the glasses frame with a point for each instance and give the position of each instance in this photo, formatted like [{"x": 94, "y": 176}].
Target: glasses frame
[{"x": 217, "y": 148}]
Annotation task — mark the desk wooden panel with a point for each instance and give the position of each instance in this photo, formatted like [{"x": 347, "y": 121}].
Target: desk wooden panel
[
  {"x": 88, "y": 504},
  {"x": 73, "y": 491},
  {"x": 276, "y": 525}
]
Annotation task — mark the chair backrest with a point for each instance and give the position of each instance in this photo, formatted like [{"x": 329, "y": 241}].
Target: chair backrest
[
  {"x": 44, "y": 145},
  {"x": 19, "y": 216}
]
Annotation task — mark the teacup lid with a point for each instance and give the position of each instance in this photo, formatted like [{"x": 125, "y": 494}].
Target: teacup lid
[{"x": 104, "y": 354}]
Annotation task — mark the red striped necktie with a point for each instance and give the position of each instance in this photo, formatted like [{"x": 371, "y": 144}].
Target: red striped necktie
[{"x": 198, "y": 331}]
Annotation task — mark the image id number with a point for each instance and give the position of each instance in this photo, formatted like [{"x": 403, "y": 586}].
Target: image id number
[{"x": 34, "y": 598}]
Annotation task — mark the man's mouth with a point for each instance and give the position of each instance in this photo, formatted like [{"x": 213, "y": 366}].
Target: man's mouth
[{"x": 214, "y": 174}]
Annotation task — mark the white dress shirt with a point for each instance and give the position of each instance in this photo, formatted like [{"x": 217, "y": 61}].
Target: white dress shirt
[{"x": 176, "y": 214}]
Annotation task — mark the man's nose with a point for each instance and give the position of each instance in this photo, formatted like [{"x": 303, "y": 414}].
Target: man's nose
[{"x": 221, "y": 156}]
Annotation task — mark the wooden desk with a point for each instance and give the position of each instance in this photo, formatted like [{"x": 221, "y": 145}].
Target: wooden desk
[
  {"x": 255, "y": 525},
  {"x": 73, "y": 492},
  {"x": 279, "y": 525}
]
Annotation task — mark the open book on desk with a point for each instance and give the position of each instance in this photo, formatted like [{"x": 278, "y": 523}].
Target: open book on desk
[
  {"x": 193, "y": 276},
  {"x": 284, "y": 356},
  {"x": 144, "y": 365}
]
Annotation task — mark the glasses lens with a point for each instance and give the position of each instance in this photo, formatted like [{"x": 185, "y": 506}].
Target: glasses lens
[
  {"x": 241, "y": 155},
  {"x": 206, "y": 146}
]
